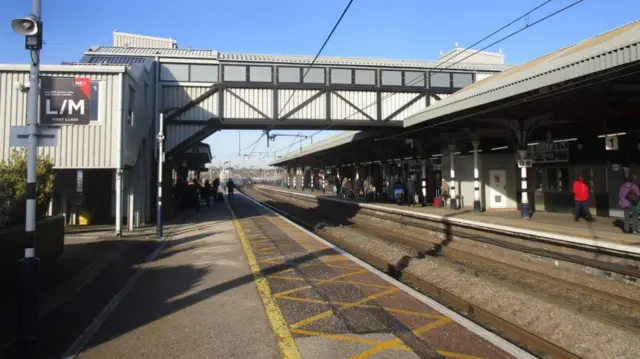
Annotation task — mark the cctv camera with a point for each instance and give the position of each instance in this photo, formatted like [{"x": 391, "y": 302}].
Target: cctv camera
[
  {"x": 19, "y": 86},
  {"x": 26, "y": 25}
]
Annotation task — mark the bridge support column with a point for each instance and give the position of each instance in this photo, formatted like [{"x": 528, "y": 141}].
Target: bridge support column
[
  {"x": 477, "y": 207},
  {"x": 452, "y": 185}
]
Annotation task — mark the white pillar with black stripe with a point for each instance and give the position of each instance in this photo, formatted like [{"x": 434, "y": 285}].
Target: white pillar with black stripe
[
  {"x": 477, "y": 206},
  {"x": 524, "y": 202},
  {"x": 423, "y": 182},
  {"x": 452, "y": 185}
]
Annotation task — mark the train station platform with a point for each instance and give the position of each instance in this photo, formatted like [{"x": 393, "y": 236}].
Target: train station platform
[
  {"x": 604, "y": 229},
  {"x": 247, "y": 283}
]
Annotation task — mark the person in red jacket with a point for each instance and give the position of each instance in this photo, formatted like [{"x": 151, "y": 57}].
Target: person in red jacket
[{"x": 581, "y": 196}]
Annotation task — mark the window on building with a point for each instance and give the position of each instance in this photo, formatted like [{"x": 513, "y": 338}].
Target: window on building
[
  {"x": 94, "y": 103},
  {"x": 414, "y": 79},
  {"x": 439, "y": 79},
  {"x": 204, "y": 73},
  {"x": 260, "y": 74},
  {"x": 366, "y": 77},
  {"x": 235, "y": 73},
  {"x": 341, "y": 76},
  {"x": 391, "y": 78},
  {"x": 462, "y": 80},
  {"x": 558, "y": 180},
  {"x": 132, "y": 106},
  {"x": 313, "y": 76},
  {"x": 174, "y": 72},
  {"x": 289, "y": 74}
]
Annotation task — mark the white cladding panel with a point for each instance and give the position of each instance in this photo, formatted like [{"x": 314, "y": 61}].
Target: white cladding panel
[
  {"x": 483, "y": 75},
  {"x": 79, "y": 146},
  {"x": 237, "y": 101},
  {"x": 393, "y": 101},
  {"x": 176, "y": 134},
  {"x": 316, "y": 109},
  {"x": 175, "y": 96},
  {"x": 365, "y": 101},
  {"x": 136, "y": 128},
  {"x": 121, "y": 39}
]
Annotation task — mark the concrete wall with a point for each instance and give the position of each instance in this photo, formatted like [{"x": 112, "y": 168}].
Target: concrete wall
[{"x": 80, "y": 146}]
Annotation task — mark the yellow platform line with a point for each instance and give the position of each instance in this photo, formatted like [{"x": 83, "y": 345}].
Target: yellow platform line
[{"x": 286, "y": 343}]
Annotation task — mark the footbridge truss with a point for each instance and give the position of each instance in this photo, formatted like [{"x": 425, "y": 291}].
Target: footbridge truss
[{"x": 203, "y": 91}]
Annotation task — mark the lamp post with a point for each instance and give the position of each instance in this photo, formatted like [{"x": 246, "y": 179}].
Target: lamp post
[
  {"x": 160, "y": 139},
  {"x": 31, "y": 28}
]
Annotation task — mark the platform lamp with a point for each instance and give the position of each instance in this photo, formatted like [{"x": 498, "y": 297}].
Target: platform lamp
[{"x": 31, "y": 28}]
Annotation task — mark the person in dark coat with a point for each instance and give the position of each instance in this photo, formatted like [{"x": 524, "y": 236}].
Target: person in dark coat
[
  {"x": 206, "y": 193},
  {"x": 629, "y": 201}
]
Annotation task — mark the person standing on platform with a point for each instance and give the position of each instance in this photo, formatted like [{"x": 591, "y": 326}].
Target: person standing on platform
[
  {"x": 444, "y": 192},
  {"x": 411, "y": 190},
  {"x": 581, "y": 197},
  {"x": 206, "y": 193},
  {"x": 629, "y": 201}
]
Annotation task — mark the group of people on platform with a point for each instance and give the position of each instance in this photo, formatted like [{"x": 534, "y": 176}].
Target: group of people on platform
[
  {"x": 188, "y": 194},
  {"x": 628, "y": 200},
  {"x": 629, "y": 195}
]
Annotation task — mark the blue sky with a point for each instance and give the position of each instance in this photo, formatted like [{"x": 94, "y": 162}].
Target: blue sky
[{"x": 402, "y": 29}]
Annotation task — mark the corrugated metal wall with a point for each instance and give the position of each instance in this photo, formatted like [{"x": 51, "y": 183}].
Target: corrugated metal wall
[
  {"x": 130, "y": 40},
  {"x": 261, "y": 99},
  {"x": 80, "y": 146},
  {"x": 143, "y": 118},
  {"x": 317, "y": 109},
  {"x": 366, "y": 101},
  {"x": 176, "y": 134},
  {"x": 176, "y": 96},
  {"x": 392, "y": 101}
]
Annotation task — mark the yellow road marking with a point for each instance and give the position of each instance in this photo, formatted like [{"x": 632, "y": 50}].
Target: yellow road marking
[
  {"x": 286, "y": 343},
  {"x": 335, "y": 336},
  {"x": 367, "y": 306},
  {"x": 328, "y": 313},
  {"x": 395, "y": 343},
  {"x": 457, "y": 355},
  {"x": 320, "y": 282},
  {"x": 300, "y": 279}
]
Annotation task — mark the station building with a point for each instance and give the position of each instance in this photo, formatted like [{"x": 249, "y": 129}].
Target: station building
[
  {"x": 107, "y": 168},
  {"x": 516, "y": 140}
]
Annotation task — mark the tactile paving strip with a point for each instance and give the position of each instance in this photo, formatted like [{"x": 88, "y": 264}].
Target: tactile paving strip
[{"x": 324, "y": 294}]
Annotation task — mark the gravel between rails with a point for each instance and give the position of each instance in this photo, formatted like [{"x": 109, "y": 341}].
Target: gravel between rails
[
  {"x": 582, "y": 335},
  {"x": 560, "y": 269}
]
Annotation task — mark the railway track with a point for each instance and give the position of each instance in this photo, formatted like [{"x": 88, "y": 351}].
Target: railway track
[
  {"x": 608, "y": 261},
  {"x": 604, "y": 306}
]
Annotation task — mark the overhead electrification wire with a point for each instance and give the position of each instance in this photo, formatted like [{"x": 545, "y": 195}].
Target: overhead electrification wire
[
  {"x": 474, "y": 53},
  {"x": 326, "y": 41},
  {"x": 505, "y": 38},
  {"x": 254, "y": 144}
]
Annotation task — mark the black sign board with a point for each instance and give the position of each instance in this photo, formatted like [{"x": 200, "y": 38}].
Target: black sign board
[
  {"x": 549, "y": 152},
  {"x": 65, "y": 101}
]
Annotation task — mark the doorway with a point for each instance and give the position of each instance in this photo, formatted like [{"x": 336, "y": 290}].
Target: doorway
[{"x": 497, "y": 189}]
